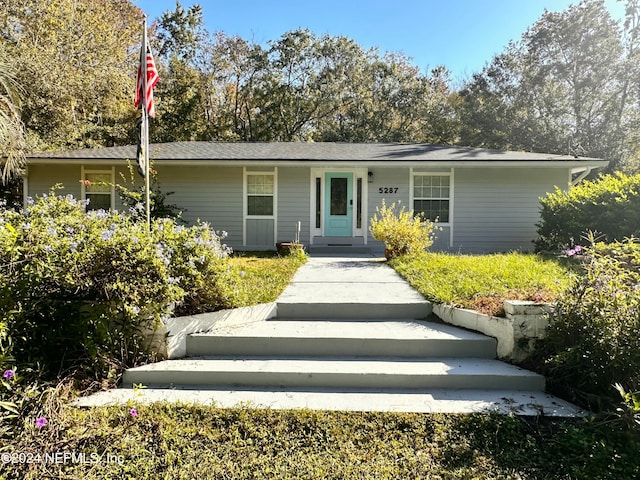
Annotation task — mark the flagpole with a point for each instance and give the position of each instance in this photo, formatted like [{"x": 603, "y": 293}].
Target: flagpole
[{"x": 145, "y": 122}]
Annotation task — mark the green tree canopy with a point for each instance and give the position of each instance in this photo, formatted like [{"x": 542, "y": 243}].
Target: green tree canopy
[
  {"x": 565, "y": 87},
  {"x": 12, "y": 136},
  {"x": 75, "y": 60}
]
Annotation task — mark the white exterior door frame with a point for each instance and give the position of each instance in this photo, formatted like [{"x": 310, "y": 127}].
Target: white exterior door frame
[{"x": 318, "y": 199}]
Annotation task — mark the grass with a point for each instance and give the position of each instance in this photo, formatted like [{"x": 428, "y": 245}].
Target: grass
[
  {"x": 264, "y": 275},
  {"x": 177, "y": 441},
  {"x": 482, "y": 282}
]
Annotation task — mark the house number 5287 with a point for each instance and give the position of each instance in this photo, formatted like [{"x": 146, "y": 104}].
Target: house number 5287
[{"x": 388, "y": 190}]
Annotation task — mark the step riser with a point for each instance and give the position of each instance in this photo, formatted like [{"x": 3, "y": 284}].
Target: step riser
[
  {"x": 372, "y": 311},
  {"x": 326, "y": 347},
  {"x": 324, "y": 241},
  {"x": 334, "y": 380},
  {"x": 329, "y": 249}
]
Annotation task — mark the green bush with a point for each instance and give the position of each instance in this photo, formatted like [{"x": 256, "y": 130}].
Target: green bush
[
  {"x": 592, "y": 342},
  {"x": 401, "y": 231},
  {"x": 81, "y": 288},
  {"x": 132, "y": 195},
  {"x": 608, "y": 206}
]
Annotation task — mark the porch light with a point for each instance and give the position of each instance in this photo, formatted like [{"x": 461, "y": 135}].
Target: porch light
[{"x": 370, "y": 175}]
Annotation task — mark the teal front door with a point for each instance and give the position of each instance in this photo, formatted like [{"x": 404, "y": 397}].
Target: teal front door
[{"x": 338, "y": 205}]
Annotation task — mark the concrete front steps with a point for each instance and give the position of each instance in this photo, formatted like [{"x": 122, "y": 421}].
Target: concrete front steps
[
  {"x": 340, "y": 354},
  {"x": 342, "y": 364},
  {"x": 338, "y": 245}
]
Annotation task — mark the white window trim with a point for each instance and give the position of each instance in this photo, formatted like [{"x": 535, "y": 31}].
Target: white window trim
[
  {"x": 451, "y": 176},
  {"x": 25, "y": 187},
  {"x": 245, "y": 202},
  {"x": 112, "y": 190}
]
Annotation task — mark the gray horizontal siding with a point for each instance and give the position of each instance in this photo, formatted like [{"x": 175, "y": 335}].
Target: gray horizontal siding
[
  {"x": 494, "y": 209},
  {"x": 43, "y": 177},
  {"x": 497, "y": 209},
  {"x": 212, "y": 195},
  {"x": 293, "y": 203},
  {"x": 387, "y": 178},
  {"x": 441, "y": 242}
]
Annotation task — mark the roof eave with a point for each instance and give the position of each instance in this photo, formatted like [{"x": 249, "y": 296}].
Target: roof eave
[{"x": 595, "y": 163}]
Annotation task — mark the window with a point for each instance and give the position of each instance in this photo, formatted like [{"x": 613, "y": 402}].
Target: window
[
  {"x": 359, "y": 203},
  {"x": 98, "y": 189},
  {"x": 318, "y": 200},
  {"x": 431, "y": 196},
  {"x": 339, "y": 196},
  {"x": 260, "y": 192}
]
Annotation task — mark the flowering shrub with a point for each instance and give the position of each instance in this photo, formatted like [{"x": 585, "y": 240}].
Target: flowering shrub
[
  {"x": 402, "y": 232},
  {"x": 592, "y": 343},
  {"x": 198, "y": 264},
  {"x": 80, "y": 288},
  {"x": 609, "y": 206}
]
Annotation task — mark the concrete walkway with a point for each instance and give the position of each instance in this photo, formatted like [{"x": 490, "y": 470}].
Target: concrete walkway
[
  {"x": 357, "y": 286},
  {"x": 353, "y": 279},
  {"x": 349, "y": 335}
]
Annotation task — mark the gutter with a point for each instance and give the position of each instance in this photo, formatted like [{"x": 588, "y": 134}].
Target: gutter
[{"x": 329, "y": 163}]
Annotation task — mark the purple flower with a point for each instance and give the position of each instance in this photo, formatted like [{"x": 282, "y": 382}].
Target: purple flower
[
  {"x": 571, "y": 253},
  {"x": 577, "y": 248},
  {"x": 41, "y": 422},
  {"x": 8, "y": 374},
  {"x": 133, "y": 412},
  {"x": 106, "y": 235}
]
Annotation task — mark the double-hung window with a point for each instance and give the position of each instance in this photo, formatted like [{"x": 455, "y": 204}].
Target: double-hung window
[
  {"x": 98, "y": 189},
  {"x": 432, "y": 196},
  {"x": 260, "y": 194}
]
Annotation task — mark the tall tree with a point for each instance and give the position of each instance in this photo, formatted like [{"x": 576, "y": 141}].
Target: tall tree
[
  {"x": 12, "y": 136},
  {"x": 561, "y": 89},
  {"x": 76, "y": 61},
  {"x": 304, "y": 83},
  {"x": 180, "y": 38},
  {"x": 629, "y": 117}
]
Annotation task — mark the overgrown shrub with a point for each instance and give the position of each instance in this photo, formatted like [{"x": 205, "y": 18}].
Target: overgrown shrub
[
  {"x": 402, "y": 231},
  {"x": 608, "y": 206},
  {"x": 80, "y": 288},
  {"x": 593, "y": 341},
  {"x": 132, "y": 196}
]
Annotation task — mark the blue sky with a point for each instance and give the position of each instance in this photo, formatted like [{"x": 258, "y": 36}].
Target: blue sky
[{"x": 463, "y": 35}]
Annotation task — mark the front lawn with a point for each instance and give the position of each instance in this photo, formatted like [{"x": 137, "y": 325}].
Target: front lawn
[
  {"x": 264, "y": 275},
  {"x": 176, "y": 441},
  {"x": 482, "y": 282}
]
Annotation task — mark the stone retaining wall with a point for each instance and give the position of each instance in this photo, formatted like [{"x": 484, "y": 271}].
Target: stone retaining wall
[{"x": 516, "y": 334}]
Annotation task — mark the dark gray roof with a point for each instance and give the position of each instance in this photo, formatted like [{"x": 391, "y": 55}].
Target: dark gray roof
[{"x": 307, "y": 151}]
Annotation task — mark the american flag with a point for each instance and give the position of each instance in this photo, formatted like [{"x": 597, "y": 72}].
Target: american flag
[{"x": 152, "y": 80}]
